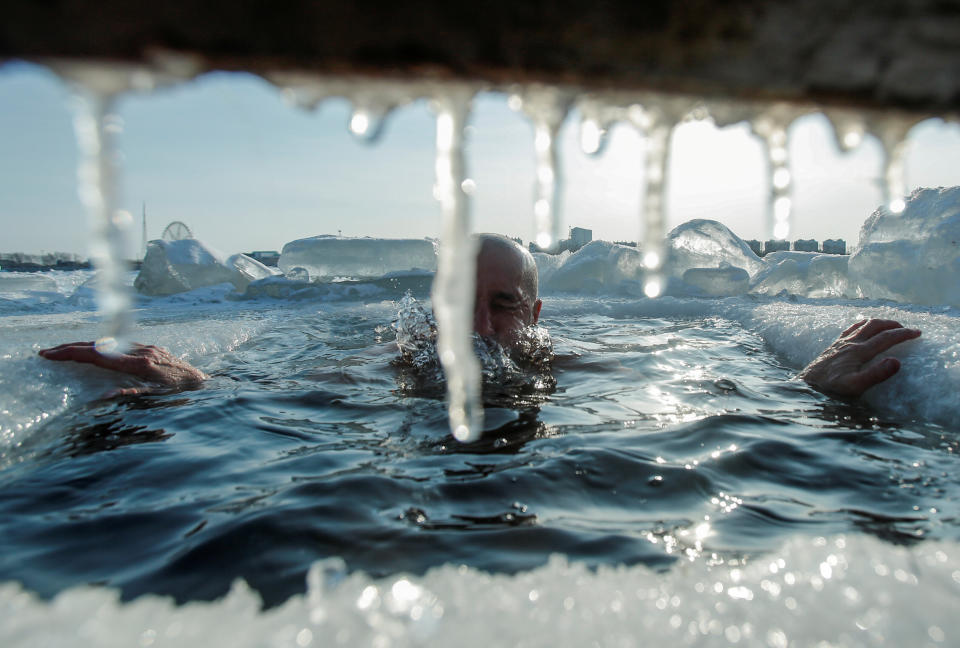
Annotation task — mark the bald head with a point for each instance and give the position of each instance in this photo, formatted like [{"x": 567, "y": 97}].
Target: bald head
[
  {"x": 506, "y": 250},
  {"x": 506, "y": 299}
]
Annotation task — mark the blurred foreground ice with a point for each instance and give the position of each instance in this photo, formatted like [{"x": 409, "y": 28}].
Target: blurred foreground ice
[{"x": 849, "y": 591}]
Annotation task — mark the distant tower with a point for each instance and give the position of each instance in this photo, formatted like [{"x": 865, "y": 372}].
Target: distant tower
[{"x": 143, "y": 242}]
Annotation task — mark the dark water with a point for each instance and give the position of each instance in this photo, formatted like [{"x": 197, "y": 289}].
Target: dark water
[{"x": 304, "y": 446}]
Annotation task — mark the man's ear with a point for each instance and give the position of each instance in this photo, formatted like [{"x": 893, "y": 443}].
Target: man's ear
[{"x": 536, "y": 310}]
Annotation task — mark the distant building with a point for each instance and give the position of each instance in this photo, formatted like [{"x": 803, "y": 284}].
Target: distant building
[
  {"x": 756, "y": 246},
  {"x": 834, "y": 246},
  {"x": 266, "y": 257},
  {"x": 580, "y": 237},
  {"x": 806, "y": 245},
  {"x": 773, "y": 245}
]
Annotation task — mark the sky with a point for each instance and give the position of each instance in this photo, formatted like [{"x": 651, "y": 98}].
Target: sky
[{"x": 245, "y": 171}]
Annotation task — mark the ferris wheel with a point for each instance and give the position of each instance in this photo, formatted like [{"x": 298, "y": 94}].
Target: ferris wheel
[{"x": 177, "y": 231}]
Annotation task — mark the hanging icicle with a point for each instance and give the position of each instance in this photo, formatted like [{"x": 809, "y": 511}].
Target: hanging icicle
[
  {"x": 656, "y": 119},
  {"x": 547, "y": 108},
  {"x": 599, "y": 112},
  {"x": 771, "y": 126},
  {"x": 372, "y": 100},
  {"x": 454, "y": 285},
  {"x": 892, "y": 131},
  {"x": 97, "y": 128},
  {"x": 848, "y": 128}
]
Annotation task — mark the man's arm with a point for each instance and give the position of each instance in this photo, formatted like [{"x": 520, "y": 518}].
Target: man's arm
[
  {"x": 152, "y": 363},
  {"x": 844, "y": 368}
]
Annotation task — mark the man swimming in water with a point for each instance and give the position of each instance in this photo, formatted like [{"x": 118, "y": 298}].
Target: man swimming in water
[{"x": 506, "y": 302}]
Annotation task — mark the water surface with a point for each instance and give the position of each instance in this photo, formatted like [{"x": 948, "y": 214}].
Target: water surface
[{"x": 666, "y": 439}]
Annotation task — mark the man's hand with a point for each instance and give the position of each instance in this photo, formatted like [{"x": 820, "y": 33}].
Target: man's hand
[
  {"x": 151, "y": 363},
  {"x": 843, "y": 370}
]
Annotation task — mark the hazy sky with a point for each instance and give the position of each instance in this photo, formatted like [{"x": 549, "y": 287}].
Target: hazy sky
[{"x": 227, "y": 156}]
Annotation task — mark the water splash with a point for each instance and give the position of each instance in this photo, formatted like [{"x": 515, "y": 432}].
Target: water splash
[
  {"x": 524, "y": 368},
  {"x": 547, "y": 109},
  {"x": 454, "y": 286}
]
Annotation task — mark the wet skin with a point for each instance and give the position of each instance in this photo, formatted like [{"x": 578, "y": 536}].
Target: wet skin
[{"x": 505, "y": 303}]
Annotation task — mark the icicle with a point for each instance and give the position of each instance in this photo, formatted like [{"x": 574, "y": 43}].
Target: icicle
[
  {"x": 599, "y": 112},
  {"x": 97, "y": 128},
  {"x": 372, "y": 100},
  {"x": 892, "y": 132},
  {"x": 547, "y": 108},
  {"x": 593, "y": 136},
  {"x": 366, "y": 122},
  {"x": 771, "y": 126},
  {"x": 656, "y": 120},
  {"x": 454, "y": 286},
  {"x": 848, "y": 128}
]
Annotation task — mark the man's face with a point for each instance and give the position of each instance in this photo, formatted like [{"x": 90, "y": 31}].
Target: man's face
[{"x": 503, "y": 304}]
